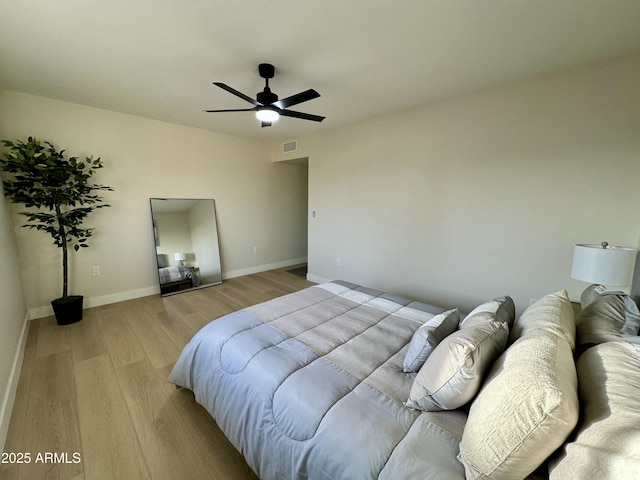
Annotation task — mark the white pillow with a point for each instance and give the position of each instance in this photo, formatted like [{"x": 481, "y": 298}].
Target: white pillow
[
  {"x": 600, "y": 321},
  {"x": 553, "y": 313},
  {"x": 501, "y": 309},
  {"x": 611, "y": 309},
  {"x": 453, "y": 373},
  {"x": 425, "y": 339},
  {"x": 526, "y": 409},
  {"x": 608, "y": 437},
  {"x": 590, "y": 295}
]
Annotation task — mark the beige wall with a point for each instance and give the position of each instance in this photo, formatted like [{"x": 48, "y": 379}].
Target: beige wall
[
  {"x": 174, "y": 232},
  {"x": 256, "y": 200},
  {"x": 482, "y": 195},
  {"x": 204, "y": 235},
  {"x": 455, "y": 202},
  {"x": 13, "y": 317}
]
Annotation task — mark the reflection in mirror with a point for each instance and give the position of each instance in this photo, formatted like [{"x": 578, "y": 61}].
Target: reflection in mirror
[{"x": 186, "y": 241}]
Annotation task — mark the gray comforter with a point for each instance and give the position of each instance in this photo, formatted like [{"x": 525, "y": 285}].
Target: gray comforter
[
  {"x": 310, "y": 386},
  {"x": 169, "y": 275}
]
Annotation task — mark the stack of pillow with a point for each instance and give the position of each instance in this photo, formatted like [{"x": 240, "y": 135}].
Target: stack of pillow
[
  {"x": 452, "y": 371},
  {"x": 519, "y": 376},
  {"x": 528, "y": 404},
  {"x": 607, "y": 440}
]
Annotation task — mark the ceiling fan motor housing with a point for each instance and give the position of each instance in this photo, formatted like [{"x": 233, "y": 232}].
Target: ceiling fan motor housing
[{"x": 266, "y": 97}]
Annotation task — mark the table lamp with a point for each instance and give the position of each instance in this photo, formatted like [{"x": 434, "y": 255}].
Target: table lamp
[
  {"x": 602, "y": 265},
  {"x": 179, "y": 257}
]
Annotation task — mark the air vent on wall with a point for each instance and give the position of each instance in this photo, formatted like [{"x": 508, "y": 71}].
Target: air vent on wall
[{"x": 289, "y": 147}]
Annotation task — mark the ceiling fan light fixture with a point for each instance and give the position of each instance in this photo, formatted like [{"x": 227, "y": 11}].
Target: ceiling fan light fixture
[{"x": 267, "y": 115}]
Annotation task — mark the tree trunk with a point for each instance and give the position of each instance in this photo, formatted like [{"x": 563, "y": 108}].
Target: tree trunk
[{"x": 63, "y": 240}]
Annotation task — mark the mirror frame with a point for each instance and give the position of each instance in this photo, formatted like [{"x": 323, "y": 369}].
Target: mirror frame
[{"x": 156, "y": 238}]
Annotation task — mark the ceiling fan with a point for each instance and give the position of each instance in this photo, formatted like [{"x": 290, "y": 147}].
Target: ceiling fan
[{"x": 266, "y": 105}]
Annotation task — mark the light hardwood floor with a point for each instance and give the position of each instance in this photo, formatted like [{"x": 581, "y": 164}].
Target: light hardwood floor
[{"x": 99, "y": 388}]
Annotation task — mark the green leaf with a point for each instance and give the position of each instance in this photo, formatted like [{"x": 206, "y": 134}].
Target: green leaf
[{"x": 58, "y": 189}]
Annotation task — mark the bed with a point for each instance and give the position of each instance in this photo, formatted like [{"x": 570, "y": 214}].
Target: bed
[
  {"x": 175, "y": 278},
  {"x": 342, "y": 381},
  {"x": 311, "y": 385}
]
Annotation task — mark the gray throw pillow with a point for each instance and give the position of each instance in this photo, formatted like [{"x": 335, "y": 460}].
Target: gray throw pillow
[
  {"x": 499, "y": 309},
  {"x": 425, "y": 339},
  {"x": 453, "y": 373},
  {"x": 631, "y": 317}
]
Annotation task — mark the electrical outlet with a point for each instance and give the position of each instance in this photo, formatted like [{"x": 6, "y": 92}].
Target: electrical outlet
[
  {"x": 96, "y": 270},
  {"x": 255, "y": 249},
  {"x": 338, "y": 261}
]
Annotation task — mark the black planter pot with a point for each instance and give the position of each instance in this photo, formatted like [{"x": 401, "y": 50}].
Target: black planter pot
[{"x": 67, "y": 310}]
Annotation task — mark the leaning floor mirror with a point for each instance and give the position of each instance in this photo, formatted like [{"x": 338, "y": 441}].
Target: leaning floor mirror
[{"x": 186, "y": 244}]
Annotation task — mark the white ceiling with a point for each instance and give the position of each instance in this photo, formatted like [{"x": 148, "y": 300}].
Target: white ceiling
[{"x": 158, "y": 58}]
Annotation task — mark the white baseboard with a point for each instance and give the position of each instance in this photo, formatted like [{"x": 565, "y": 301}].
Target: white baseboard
[
  {"x": 317, "y": 279},
  {"x": 6, "y": 408},
  {"x": 47, "y": 311},
  {"x": 263, "y": 268},
  {"x": 89, "y": 302},
  {"x": 120, "y": 296}
]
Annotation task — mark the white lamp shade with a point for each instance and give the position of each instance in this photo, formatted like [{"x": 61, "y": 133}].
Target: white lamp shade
[
  {"x": 605, "y": 266},
  {"x": 179, "y": 257}
]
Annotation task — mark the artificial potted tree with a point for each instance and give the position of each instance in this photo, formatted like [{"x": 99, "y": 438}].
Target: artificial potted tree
[{"x": 59, "y": 193}]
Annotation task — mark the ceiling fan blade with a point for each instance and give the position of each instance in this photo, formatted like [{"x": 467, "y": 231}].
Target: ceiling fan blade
[
  {"x": 237, "y": 93},
  {"x": 232, "y": 110},
  {"x": 297, "y": 98},
  {"x": 304, "y": 116},
  {"x": 266, "y": 124}
]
